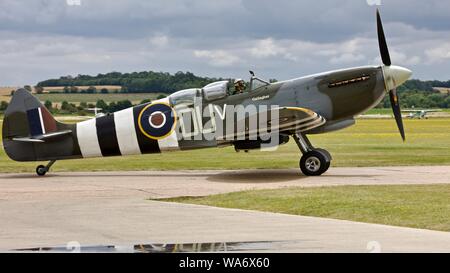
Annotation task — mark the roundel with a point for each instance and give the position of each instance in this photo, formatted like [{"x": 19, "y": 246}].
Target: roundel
[{"x": 157, "y": 120}]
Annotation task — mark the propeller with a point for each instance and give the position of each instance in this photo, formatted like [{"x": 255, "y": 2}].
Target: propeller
[
  {"x": 393, "y": 76},
  {"x": 384, "y": 51},
  {"x": 397, "y": 112}
]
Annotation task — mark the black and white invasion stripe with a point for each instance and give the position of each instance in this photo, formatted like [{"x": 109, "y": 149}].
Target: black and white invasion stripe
[{"x": 119, "y": 134}]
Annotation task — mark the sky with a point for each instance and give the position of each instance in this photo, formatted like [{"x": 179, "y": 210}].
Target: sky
[{"x": 282, "y": 39}]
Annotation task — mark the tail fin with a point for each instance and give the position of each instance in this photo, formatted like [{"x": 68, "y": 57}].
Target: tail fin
[
  {"x": 26, "y": 123},
  {"x": 26, "y": 116}
]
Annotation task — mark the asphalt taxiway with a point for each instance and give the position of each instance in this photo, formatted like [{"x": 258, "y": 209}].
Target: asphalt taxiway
[{"x": 112, "y": 208}]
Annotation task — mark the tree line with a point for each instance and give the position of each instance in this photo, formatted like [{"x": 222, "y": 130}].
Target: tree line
[
  {"x": 136, "y": 82},
  {"x": 76, "y": 89},
  {"x": 421, "y": 94}
]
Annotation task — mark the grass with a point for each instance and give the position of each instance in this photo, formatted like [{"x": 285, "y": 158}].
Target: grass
[
  {"x": 368, "y": 143},
  {"x": 416, "y": 206}
]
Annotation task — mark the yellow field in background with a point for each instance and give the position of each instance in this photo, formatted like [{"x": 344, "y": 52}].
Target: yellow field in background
[{"x": 443, "y": 90}]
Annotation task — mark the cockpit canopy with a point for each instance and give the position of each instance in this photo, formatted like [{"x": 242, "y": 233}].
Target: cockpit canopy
[
  {"x": 256, "y": 83},
  {"x": 213, "y": 91},
  {"x": 216, "y": 90},
  {"x": 185, "y": 97}
]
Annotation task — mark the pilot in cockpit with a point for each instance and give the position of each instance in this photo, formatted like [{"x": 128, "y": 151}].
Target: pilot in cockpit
[{"x": 239, "y": 86}]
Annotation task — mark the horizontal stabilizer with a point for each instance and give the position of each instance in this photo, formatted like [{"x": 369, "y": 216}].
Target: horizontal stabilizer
[{"x": 43, "y": 137}]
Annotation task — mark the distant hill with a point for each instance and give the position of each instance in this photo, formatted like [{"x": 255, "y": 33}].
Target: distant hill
[
  {"x": 422, "y": 94},
  {"x": 110, "y": 88},
  {"x": 136, "y": 82},
  {"x": 416, "y": 84}
]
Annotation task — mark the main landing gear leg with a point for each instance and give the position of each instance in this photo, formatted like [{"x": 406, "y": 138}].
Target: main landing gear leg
[
  {"x": 314, "y": 161},
  {"x": 41, "y": 170}
]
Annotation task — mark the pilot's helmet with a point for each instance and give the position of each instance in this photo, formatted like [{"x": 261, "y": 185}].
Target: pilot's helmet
[{"x": 238, "y": 81}]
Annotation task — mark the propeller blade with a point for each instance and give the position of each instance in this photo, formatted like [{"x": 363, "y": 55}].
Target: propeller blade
[
  {"x": 384, "y": 51},
  {"x": 397, "y": 112}
]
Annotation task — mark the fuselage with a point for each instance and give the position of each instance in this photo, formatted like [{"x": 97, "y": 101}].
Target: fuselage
[{"x": 335, "y": 96}]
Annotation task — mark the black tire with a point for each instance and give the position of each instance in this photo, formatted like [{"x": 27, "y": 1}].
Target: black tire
[
  {"x": 41, "y": 170},
  {"x": 315, "y": 162},
  {"x": 325, "y": 152},
  {"x": 329, "y": 158}
]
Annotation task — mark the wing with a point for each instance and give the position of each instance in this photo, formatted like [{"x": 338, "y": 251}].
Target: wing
[
  {"x": 299, "y": 119},
  {"x": 282, "y": 119}
]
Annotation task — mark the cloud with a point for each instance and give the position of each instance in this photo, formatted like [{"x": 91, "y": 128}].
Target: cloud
[
  {"x": 217, "y": 57},
  {"x": 438, "y": 54},
  {"x": 266, "y": 48},
  {"x": 159, "y": 40},
  {"x": 402, "y": 59},
  {"x": 347, "y": 58},
  {"x": 222, "y": 38}
]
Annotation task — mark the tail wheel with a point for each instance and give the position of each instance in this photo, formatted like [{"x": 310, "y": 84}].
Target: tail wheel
[
  {"x": 41, "y": 170},
  {"x": 315, "y": 162}
]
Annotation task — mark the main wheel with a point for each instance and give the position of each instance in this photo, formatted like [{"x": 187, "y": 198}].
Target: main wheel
[
  {"x": 41, "y": 170},
  {"x": 328, "y": 155},
  {"x": 315, "y": 162}
]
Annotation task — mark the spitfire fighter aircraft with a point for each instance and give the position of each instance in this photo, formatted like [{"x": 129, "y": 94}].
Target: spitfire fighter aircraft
[{"x": 294, "y": 108}]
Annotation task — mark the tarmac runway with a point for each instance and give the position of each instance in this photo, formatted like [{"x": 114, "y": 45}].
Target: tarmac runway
[{"x": 112, "y": 209}]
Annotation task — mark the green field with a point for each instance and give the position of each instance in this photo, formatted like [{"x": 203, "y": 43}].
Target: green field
[
  {"x": 368, "y": 143},
  {"x": 93, "y": 98},
  {"x": 417, "y": 206}
]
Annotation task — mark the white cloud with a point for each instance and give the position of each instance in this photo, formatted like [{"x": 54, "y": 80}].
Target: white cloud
[
  {"x": 217, "y": 57},
  {"x": 159, "y": 40},
  {"x": 438, "y": 54},
  {"x": 401, "y": 58},
  {"x": 347, "y": 58},
  {"x": 266, "y": 48},
  {"x": 223, "y": 38}
]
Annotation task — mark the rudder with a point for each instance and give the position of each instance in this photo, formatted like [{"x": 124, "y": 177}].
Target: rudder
[{"x": 26, "y": 123}]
